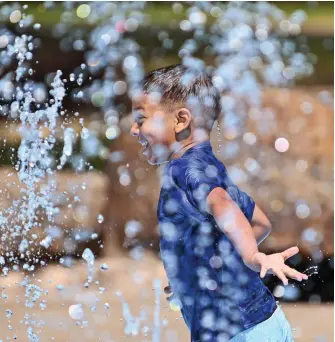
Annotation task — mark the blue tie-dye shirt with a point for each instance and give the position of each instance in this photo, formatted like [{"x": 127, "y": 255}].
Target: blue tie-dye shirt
[{"x": 220, "y": 296}]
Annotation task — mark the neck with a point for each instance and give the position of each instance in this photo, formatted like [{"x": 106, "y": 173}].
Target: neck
[{"x": 178, "y": 153}]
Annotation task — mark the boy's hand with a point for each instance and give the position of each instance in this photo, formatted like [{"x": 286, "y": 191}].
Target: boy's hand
[
  {"x": 174, "y": 303},
  {"x": 276, "y": 263},
  {"x": 168, "y": 291}
]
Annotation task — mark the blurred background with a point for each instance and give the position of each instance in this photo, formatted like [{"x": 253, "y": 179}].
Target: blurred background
[{"x": 280, "y": 153}]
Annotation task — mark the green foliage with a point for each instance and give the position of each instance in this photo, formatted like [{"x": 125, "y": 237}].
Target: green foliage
[
  {"x": 9, "y": 155},
  {"x": 161, "y": 13}
]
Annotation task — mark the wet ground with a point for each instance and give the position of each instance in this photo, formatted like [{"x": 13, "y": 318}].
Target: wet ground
[{"x": 104, "y": 317}]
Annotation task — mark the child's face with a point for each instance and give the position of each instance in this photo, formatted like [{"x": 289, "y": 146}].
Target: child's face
[{"x": 154, "y": 127}]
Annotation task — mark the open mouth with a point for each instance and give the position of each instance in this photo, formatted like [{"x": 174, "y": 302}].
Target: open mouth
[{"x": 145, "y": 144}]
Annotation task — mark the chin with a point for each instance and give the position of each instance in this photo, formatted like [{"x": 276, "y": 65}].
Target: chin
[
  {"x": 156, "y": 161},
  {"x": 152, "y": 162}
]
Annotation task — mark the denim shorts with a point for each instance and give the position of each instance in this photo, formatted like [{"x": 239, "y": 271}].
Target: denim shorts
[{"x": 274, "y": 329}]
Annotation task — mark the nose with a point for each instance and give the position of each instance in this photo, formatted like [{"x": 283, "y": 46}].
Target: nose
[{"x": 134, "y": 129}]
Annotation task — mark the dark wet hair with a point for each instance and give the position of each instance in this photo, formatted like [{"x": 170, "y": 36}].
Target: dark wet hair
[{"x": 179, "y": 85}]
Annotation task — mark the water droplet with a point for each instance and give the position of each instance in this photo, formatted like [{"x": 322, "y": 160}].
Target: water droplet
[
  {"x": 76, "y": 311},
  {"x": 302, "y": 211},
  {"x": 279, "y": 291},
  {"x": 282, "y": 145},
  {"x": 104, "y": 267},
  {"x": 15, "y": 16},
  {"x": 83, "y": 11}
]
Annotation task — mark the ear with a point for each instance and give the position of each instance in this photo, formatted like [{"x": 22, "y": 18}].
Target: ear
[{"x": 183, "y": 118}]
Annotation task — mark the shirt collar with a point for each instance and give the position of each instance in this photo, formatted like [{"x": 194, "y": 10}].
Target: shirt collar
[{"x": 205, "y": 145}]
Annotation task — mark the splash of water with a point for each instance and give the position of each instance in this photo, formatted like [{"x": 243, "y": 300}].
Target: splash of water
[
  {"x": 88, "y": 256},
  {"x": 219, "y": 136},
  {"x": 132, "y": 323},
  {"x": 311, "y": 270},
  {"x": 157, "y": 323},
  {"x": 32, "y": 166},
  {"x": 68, "y": 146}
]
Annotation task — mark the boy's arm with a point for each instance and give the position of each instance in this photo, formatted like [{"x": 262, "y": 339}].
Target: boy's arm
[
  {"x": 260, "y": 224},
  {"x": 232, "y": 222}
]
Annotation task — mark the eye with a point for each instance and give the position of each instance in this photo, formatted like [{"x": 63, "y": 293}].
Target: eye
[
  {"x": 140, "y": 120},
  {"x": 138, "y": 116}
]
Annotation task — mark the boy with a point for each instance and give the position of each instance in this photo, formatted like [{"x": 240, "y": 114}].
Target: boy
[{"x": 209, "y": 228}]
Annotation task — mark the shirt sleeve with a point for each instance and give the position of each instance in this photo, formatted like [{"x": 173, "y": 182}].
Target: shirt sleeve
[
  {"x": 244, "y": 201},
  {"x": 197, "y": 182}
]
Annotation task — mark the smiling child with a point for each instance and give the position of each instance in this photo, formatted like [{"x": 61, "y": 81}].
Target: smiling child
[{"x": 209, "y": 227}]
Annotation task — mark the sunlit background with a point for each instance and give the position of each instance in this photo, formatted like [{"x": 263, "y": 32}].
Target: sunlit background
[{"x": 79, "y": 250}]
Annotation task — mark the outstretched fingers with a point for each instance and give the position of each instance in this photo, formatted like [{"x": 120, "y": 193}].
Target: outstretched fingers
[
  {"x": 169, "y": 299},
  {"x": 294, "y": 274},
  {"x": 263, "y": 271},
  {"x": 280, "y": 274},
  {"x": 167, "y": 290},
  {"x": 288, "y": 253}
]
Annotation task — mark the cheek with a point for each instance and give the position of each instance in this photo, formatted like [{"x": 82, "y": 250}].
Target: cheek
[
  {"x": 158, "y": 124},
  {"x": 159, "y": 128}
]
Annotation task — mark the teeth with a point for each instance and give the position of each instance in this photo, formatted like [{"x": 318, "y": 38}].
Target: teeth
[{"x": 144, "y": 143}]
